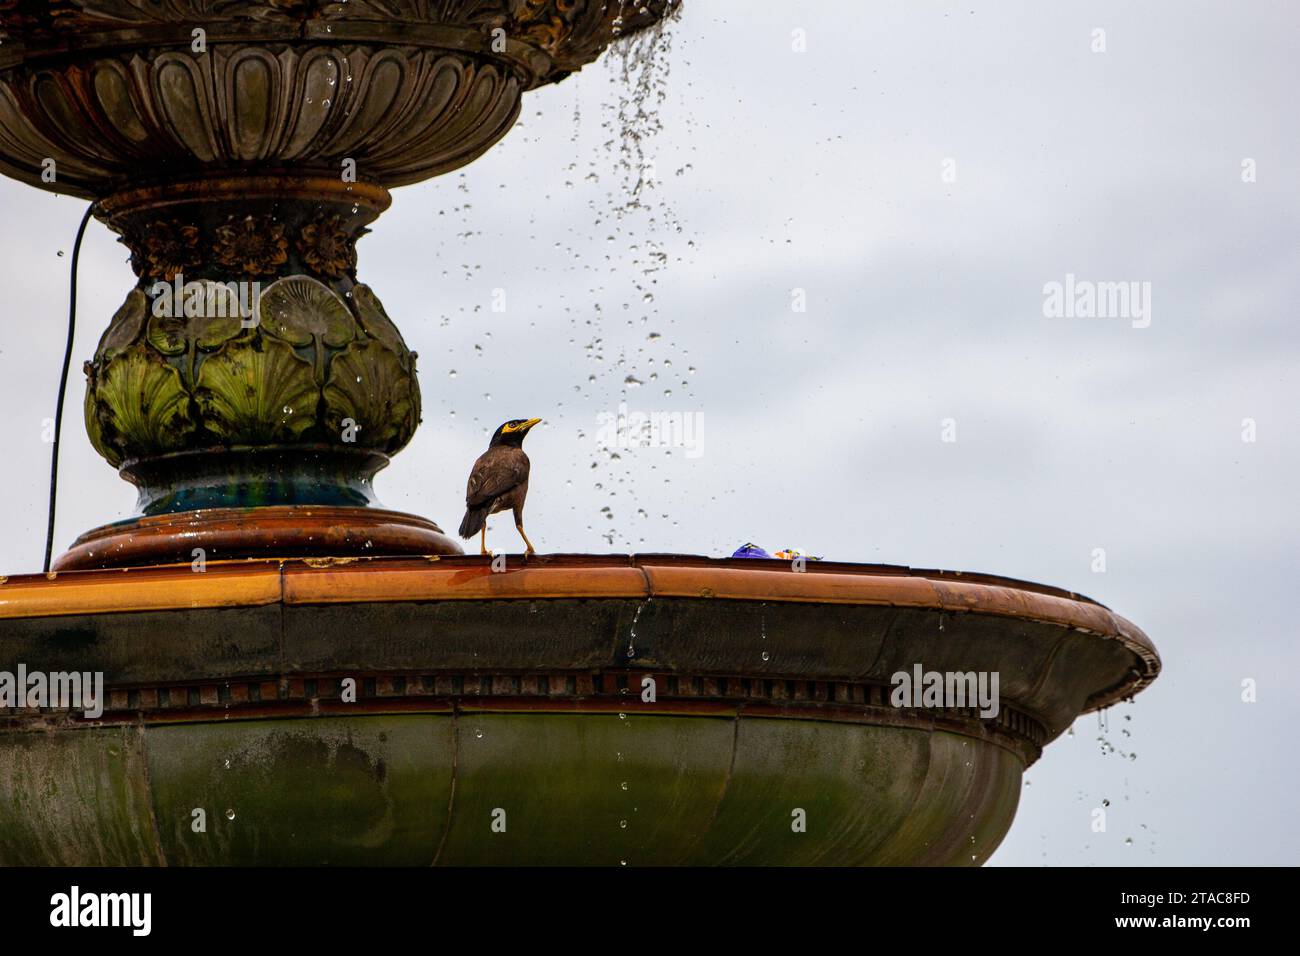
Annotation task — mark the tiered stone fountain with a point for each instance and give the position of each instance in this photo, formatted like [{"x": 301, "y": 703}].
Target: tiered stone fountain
[{"x": 334, "y": 682}]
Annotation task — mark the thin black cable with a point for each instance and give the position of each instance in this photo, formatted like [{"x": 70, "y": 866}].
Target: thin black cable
[{"x": 63, "y": 385}]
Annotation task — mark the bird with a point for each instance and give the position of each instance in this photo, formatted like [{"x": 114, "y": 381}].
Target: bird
[{"x": 499, "y": 482}]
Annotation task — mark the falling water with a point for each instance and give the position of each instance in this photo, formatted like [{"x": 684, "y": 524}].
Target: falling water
[
  {"x": 631, "y": 637},
  {"x": 1110, "y": 746},
  {"x": 638, "y": 223}
]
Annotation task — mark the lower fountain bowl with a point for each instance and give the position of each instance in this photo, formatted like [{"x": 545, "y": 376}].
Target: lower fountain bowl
[{"x": 571, "y": 709}]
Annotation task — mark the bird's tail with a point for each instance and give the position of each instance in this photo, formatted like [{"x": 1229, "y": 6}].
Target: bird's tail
[{"x": 474, "y": 520}]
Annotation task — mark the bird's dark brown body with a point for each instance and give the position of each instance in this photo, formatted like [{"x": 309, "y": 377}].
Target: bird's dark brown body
[{"x": 499, "y": 482}]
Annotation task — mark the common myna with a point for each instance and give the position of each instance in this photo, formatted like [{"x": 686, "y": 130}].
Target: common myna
[{"x": 499, "y": 482}]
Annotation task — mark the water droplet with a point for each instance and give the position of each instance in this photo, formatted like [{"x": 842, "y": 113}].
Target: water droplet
[
  {"x": 478, "y": 732},
  {"x": 765, "y": 655},
  {"x": 230, "y": 814}
]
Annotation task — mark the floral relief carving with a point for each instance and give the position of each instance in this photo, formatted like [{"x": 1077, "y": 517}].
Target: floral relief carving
[
  {"x": 253, "y": 245},
  {"x": 376, "y": 321},
  {"x": 125, "y": 326},
  {"x": 327, "y": 248},
  {"x": 191, "y": 374},
  {"x": 167, "y": 248}
]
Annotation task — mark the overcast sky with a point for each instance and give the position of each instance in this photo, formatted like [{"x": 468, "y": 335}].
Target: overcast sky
[{"x": 832, "y": 171}]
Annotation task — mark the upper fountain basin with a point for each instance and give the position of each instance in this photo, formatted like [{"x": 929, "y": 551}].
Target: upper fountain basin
[{"x": 96, "y": 95}]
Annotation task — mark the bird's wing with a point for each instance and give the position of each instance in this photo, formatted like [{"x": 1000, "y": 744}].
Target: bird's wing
[{"x": 494, "y": 475}]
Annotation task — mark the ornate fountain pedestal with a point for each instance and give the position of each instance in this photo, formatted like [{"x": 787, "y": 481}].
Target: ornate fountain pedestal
[
  {"x": 240, "y": 150},
  {"x": 248, "y": 371}
]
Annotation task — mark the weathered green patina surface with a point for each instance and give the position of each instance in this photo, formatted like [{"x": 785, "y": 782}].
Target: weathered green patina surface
[
  {"x": 414, "y": 712},
  {"x": 416, "y": 789}
]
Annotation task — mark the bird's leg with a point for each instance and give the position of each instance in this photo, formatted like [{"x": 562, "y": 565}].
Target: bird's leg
[
  {"x": 519, "y": 523},
  {"x": 530, "y": 549},
  {"x": 482, "y": 542}
]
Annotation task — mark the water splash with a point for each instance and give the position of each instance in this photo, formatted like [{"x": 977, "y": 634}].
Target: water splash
[{"x": 631, "y": 637}]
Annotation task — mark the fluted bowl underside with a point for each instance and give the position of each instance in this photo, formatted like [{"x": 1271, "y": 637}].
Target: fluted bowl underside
[
  {"x": 397, "y": 115},
  {"x": 567, "y": 709},
  {"x": 96, "y": 97}
]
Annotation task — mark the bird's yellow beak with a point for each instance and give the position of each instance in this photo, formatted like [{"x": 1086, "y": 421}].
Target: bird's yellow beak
[{"x": 522, "y": 426}]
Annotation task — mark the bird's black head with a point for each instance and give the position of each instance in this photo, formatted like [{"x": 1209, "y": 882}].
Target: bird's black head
[{"x": 513, "y": 432}]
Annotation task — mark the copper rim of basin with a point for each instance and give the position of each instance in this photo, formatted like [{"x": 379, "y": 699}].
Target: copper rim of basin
[
  {"x": 432, "y": 578},
  {"x": 267, "y": 184},
  {"x": 234, "y": 533}
]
